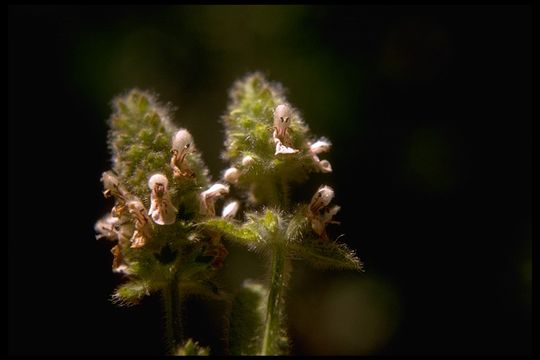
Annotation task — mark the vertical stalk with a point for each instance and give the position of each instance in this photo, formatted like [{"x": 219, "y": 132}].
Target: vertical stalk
[
  {"x": 173, "y": 323},
  {"x": 272, "y": 326},
  {"x": 284, "y": 194}
]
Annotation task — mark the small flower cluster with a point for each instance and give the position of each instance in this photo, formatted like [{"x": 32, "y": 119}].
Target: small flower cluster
[
  {"x": 161, "y": 191},
  {"x": 164, "y": 219},
  {"x": 319, "y": 211},
  {"x": 267, "y": 140},
  {"x": 127, "y": 222}
]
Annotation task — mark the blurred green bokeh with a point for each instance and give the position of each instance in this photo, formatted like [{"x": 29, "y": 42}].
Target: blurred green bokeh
[{"x": 342, "y": 314}]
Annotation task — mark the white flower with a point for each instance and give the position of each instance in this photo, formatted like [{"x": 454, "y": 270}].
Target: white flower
[
  {"x": 282, "y": 149},
  {"x": 105, "y": 227},
  {"x": 182, "y": 140},
  {"x": 318, "y": 226},
  {"x": 320, "y": 214},
  {"x": 209, "y": 196},
  {"x": 328, "y": 213},
  {"x": 324, "y": 166},
  {"x": 109, "y": 181},
  {"x": 282, "y": 120},
  {"x": 320, "y": 146},
  {"x": 322, "y": 198},
  {"x": 230, "y": 210},
  {"x": 143, "y": 226},
  {"x": 247, "y": 160},
  {"x": 231, "y": 175},
  {"x": 125, "y": 230},
  {"x": 118, "y": 265},
  {"x": 318, "y": 223},
  {"x": 182, "y": 144},
  {"x": 161, "y": 210},
  {"x": 112, "y": 187},
  {"x": 282, "y": 123}
]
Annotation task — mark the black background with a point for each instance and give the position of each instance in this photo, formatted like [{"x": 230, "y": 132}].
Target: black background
[{"x": 452, "y": 238}]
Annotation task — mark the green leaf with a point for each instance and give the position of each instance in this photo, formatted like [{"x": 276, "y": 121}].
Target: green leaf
[
  {"x": 192, "y": 348},
  {"x": 298, "y": 225},
  {"x": 201, "y": 288},
  {"x": 247, "y": 319},
  {"x": 326, "y": 255},
  {"x": 270, "y": 220},
  {"x": 242, "y": 234},
  {"x": 131, "y": 293}
]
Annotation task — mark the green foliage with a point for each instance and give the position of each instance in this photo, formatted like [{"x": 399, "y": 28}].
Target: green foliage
[
  {"x": 247, "y": 319},
  {"x": 263, "y": 230},
  {"x": 258, "y": 232},
  {"x": 179, "y": 255},
  {"x": 131, "y": 292},
  {"x": 192, "y": 348},
  {"x": 326, "y": 255},
  {"x": 154, "y": 257},
  {"x": 140, "y": 138},
  {"x": 243, "y": 234}
]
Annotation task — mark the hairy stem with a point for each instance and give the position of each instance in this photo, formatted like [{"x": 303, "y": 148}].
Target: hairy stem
[
  {"x": 171, "y": 299},
  {"x": 272, "y": 326},
  {"x": 283, "y": 191}
]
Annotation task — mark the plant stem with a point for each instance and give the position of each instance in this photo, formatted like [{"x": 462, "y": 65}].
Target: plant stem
[
  {"x": 171, "y": 299},
  {"x": 272, "y": 326}
]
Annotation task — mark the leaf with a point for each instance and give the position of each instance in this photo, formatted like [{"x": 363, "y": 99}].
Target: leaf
[
  {"x": 130, "y": 293},
  {"x": 242, "y": 234},
  {"x": 192, "y": 348},
  {"x": 326, "y": 254},
  {"x": 297, "y": 225},
  {"x": 247, "y": 319},
  {"x": 202, "y": 289},
  {"x": 270, "y": 220},
  {"x": 268, "y": 225}
]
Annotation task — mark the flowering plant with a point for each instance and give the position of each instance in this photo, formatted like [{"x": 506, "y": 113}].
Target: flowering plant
[{"x": 167, "y": 235}]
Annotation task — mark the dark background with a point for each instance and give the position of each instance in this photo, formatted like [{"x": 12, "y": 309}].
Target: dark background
[{"x": 430, "y": 113}]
